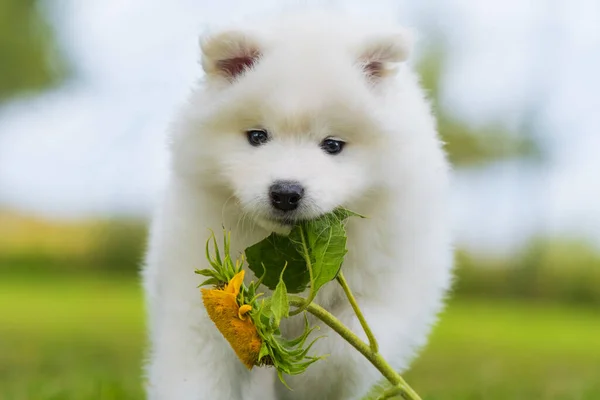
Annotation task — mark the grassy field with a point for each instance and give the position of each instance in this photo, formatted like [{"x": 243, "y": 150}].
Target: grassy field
[{"x": 81, "y": 339}]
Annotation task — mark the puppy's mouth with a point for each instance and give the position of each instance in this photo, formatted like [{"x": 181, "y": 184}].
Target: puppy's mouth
[
  {"x": 277, "y": 225},
  {"x": 292, "y": 218},
  {"x": 283, "y": 223}
]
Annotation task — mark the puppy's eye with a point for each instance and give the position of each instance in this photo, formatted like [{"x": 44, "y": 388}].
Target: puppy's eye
[
  {"x": 257, "y": 137},
  {"x": 332, "y": 146}
]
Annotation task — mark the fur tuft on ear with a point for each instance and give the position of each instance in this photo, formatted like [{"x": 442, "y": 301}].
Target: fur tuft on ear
[
  {"x": 229, "y": 54},
  {"x": 380, "y": 54}
]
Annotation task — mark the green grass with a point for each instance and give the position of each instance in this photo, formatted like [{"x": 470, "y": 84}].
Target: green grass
[
  {"x": 71, "y": 339},
  {"x": 82, "y": 338},
  {"x": 511, "y": 350}
]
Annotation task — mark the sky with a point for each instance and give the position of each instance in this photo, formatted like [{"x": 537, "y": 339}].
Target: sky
[{"x": 96, "y": 145}]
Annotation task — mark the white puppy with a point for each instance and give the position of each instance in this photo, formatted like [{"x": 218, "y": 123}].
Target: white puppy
[{"x": 296, "y": 117}]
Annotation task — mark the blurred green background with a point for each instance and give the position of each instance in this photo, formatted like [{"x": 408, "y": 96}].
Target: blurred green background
[{"x": 520, "y": 325}]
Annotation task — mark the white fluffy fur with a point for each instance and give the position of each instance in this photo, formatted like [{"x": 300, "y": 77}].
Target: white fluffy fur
[{"x": 308, "y": 84}]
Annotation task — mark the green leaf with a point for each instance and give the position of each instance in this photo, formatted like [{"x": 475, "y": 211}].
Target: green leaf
[
  {"x": 264, "y": 351},
  {"x": 320, "y": 242},
  {"x": 343, "y": 214},
  {"x": 279, "y": 301},
  {"x": 216, "y": 261},
  {"x": 280, "y": 376},
  {"x": 326, "y": 239},
  {"x": 205, "y": 272},
  {"x": 299, "y": 341},
  {"x": 273, "y": 252},
  {"x": 211, "y": 281}
]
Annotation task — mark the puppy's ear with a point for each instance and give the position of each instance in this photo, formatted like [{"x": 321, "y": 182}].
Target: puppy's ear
[
  {"x": 381, "y": 54},
  {"x": 229, "y": 54}
]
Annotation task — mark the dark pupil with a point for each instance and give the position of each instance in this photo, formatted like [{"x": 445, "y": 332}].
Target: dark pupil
[
  {"x": 257, "y": 137},
  {"x": 332, "y": 146}
]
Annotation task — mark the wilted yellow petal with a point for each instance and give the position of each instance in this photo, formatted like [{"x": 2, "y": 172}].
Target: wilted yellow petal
[
  {"x": 244, "y": 310},
  {"x": 235, "y": 283}
]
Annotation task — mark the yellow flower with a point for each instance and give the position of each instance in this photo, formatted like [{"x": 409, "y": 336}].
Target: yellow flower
[{"x": 230, "y": 319}]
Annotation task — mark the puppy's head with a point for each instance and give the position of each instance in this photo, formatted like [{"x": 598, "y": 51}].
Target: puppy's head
[{"x": 291, "y": 121}]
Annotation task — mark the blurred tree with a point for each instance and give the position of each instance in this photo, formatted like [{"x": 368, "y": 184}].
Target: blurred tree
[
  {"x": 29, "y": 57},
  {"x": 466, "y": 144},
  {"x": 547, "y": 268}
]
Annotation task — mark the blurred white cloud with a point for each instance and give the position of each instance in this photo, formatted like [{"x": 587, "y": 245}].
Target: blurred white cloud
[{"x": 97, "y": 145}]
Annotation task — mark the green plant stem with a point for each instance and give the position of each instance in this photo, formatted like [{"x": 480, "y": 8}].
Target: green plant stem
[
  {"x": 363, "y": 322},
  {"x": 400, "y": 386},
  {"x": 391, "y": 392},
  {"x": 312, "y": 294}
]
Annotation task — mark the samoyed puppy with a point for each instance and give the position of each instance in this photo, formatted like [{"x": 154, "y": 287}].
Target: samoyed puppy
[{"x": 295, "y": 116}]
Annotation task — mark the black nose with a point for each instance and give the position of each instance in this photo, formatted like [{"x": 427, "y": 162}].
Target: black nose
[{"x": 286, "y": 195}]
